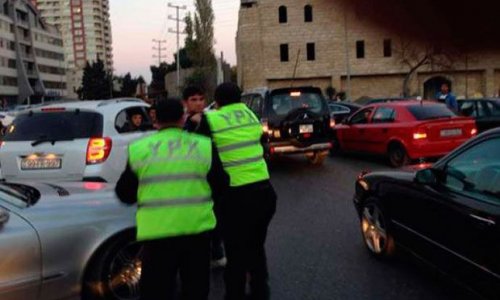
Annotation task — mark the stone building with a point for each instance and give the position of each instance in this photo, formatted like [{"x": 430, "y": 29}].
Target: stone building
[{"x": 322, "y": 43}]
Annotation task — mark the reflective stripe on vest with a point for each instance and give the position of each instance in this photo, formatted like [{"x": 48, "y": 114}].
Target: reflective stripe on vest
[
  {"x": 237, "y": 132},
  {"x": 174, "y": 197}
]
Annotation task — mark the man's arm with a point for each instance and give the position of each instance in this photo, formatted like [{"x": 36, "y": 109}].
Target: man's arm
[
  {"x": 217, "y": 177},
  {"x": 126, "y": 188},
  {"x": 204, "y": 128}
]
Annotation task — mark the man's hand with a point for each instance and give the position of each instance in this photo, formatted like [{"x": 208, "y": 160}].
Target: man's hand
[{"x": 196, "y": 118}]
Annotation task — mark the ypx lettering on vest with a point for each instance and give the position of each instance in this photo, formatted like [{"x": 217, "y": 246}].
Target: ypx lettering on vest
[
  {"x": 175, "y": 149},
  {"x": 239, "y": 117}
]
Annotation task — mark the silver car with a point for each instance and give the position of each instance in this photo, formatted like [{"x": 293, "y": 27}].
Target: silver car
[{"x": 67, "y": 241}]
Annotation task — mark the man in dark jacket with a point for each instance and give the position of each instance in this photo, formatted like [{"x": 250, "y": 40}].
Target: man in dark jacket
[
  {"x": 250, "y": 203},
  {"x": 175, "y": 211}
]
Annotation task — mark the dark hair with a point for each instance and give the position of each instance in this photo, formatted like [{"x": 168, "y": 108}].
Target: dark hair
[
  {"x": 227, "y": 93},
  {"x": 169, "y": 111},
  {"x": 191, "y": 91}
]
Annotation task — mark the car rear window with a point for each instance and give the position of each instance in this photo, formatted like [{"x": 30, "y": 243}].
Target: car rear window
[
  {"x": 284, "y": 103},
  {"x": 428, "y": 112},
  {"x": 55, "y": 125}
]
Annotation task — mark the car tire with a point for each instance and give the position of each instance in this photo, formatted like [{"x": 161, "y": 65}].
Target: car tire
[
  {"x": 398, "y": 157},
  {"x": 375, "y": 231},
  {"x": 114, "y": 271},
  {"x": 335, "y": 150},
  {"x": 317, "y": 158}
]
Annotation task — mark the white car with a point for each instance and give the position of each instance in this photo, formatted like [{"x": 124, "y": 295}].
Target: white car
[{"x": 72, "y": 141}]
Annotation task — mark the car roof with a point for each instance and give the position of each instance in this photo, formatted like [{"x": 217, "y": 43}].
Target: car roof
[
  {"x": 480, "y": 99},
  {"x": 88, "y": 104},
  {"x": 405, "y": 103}
]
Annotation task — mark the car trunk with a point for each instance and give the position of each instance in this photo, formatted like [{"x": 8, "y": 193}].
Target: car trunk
[
  {"x": 448, "y": 128},
  {"x": 301, "y": 127},
  {"x": 49, "y": 145}
]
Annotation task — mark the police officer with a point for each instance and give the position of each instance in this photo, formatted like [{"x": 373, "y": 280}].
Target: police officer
[
  {"x": 173, "y": 175},
  {"x": 249, "y": 205}
]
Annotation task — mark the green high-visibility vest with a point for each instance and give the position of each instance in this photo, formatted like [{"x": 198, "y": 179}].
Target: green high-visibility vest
[
  {"x": 174, "y": 197},
  {"x": 237, "y": 133}
]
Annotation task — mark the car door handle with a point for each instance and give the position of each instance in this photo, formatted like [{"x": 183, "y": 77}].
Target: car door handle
[
  {"x": 486, "y": 221},
  {"x": 385, "y": 130}
]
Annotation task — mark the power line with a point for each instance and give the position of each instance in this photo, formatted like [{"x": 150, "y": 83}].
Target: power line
[
  {"x": 178, "y": 32},
  {"x": 160, "y": 49}
]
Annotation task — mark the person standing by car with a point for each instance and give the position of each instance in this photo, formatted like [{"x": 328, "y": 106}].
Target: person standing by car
[
  {"x": 173, "y": 176},
  {"x": 445, "y": 96},
  {"x": 250, "y": 203},
  {"x": 194, "y": 104}
]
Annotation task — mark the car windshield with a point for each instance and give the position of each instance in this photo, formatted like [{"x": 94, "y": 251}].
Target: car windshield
[
  {"x": 55, "y": 126},
  {"x": 284, "y": 103},
  {"x": 429, "y": 112}
]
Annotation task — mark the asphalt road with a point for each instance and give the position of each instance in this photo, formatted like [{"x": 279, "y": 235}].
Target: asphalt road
[{"x": 314, "y": 247}]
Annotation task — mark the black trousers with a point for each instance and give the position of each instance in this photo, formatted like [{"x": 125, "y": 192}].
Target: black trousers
[
  {"x": 245, "y": 217},
  {"x": 163, "y": 260}
]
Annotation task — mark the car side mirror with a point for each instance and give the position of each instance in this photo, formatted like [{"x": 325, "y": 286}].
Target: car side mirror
[
  {"x": 4, "y": 217},
  {"x": 346, "y": 121},
  {"x": 426, "y": 177}
]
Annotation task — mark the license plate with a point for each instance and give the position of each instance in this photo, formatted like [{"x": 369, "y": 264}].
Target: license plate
[
  {"x": 41, "y": 164},
  {"x": 306, "y": 128},
  {"x": 451, "y": 132}
]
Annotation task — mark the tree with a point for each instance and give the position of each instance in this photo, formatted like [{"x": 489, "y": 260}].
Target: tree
[
  {"x": 417, "y": 55},
  {"x": 158, "y": 79},
  {"x": 96, "y": 82},
  {"x": 129, "y": 86}
]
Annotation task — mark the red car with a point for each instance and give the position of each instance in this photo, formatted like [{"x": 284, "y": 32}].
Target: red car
[{"x": 404, "y": 131}]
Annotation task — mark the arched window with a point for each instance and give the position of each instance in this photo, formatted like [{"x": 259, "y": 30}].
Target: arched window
[
  {"x": 283, "y": 14},
  {"x": 308, "y": 13}
]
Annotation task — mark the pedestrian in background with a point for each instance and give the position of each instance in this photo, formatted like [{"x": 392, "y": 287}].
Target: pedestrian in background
[
  {"x": 250, "y": 203},
  {"x": 445, "y": 96},
  {"x": 194, "y": 104},
  {"x": 172, "y": 175}
]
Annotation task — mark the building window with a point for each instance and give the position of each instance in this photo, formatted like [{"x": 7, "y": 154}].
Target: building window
[
  {"x": 308, "y": 13},
  {"x": 311, "y": 51},
  {"x": 284, "y": 52},
  {"x": 387, "y": 48},
  {"x": 283, "y": 17},
  {"x": 360, "y": 49}
]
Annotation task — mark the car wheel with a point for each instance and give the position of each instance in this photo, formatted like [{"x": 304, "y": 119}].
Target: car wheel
[
  {"x": 335, "y": 147},
  {"x": 317, "y": 158},
  {"x": 115, "y": 271},
  {"x": 398, "y": 156},
  {"x": 376, "y": 234}
]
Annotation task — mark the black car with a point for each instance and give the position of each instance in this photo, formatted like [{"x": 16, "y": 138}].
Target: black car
[
  {"x": 447, "y": 214},
  {"x": 342, "y": 110},
  {"x": 485, "y": 111},
  {"x": 369, "y": 101},
  {"x": 295, "y": 120}
]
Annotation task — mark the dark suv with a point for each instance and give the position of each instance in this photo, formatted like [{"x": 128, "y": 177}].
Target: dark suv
[{"x": 295, "y": 120}]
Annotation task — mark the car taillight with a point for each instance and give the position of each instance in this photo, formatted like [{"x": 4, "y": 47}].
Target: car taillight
[
  {"x": 332, "y": 123},
  {"x": 265, "y": 126},
  {"x": 53, "y": 109},
  {"x": 419, "y": 135},
  {"x": 98, "y": 150},
  {"x": 473, "y": 132}
]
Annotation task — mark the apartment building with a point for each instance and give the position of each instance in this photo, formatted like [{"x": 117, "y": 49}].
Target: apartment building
[
  {"x": 86, "y": 33},
  {"x": 31, "y": 55}
]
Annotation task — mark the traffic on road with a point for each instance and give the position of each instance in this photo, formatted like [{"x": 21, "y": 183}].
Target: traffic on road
[{"x": 63, "y": 159}]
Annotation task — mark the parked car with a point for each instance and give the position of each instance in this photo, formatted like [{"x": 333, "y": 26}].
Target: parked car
[
  {"x": 341, "y": 110},
  {"x": 295, "y": 120},
  {"x": 72, "y": 141},
  {"x": 485, "y": 111},
  {"x": 368, "y": 101},
  {"x": 404, "y": 131},
  {"x": 67, "y": 241},
  {"x": 448, "y": 214}
]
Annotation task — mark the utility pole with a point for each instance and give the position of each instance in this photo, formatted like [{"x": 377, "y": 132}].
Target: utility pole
[
  {"x": 178, "y": 32},
  {"x": 159, "y": 48}
]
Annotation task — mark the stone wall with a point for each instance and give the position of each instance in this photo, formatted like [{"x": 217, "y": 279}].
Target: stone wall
[{"x": 334, "y": 30}]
